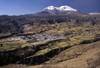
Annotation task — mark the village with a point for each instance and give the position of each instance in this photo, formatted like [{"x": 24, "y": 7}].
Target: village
[{"x": 39, "y": 37}]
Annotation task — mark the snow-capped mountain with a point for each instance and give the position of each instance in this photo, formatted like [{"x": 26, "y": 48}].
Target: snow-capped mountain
[
  {"x": 61, "y": 8},
  {"x": 52, "y": 10}
]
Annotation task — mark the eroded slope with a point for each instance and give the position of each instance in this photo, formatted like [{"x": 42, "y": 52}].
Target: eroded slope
[{"x": 79, "y": 56}]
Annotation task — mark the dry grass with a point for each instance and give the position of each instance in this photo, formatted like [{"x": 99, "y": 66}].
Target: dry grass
[
  {"x": 4, "y": 34},
  {"x": 16, "y": 42},
  {"x": 10, "y": 45},
  {"x": 42, "y": 52},
  {"x": 2, "y": 41},
  {"x": 26, "y": 45}
]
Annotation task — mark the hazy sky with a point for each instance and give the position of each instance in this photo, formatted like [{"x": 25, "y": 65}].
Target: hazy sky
[{"x": 19, "y": 7}]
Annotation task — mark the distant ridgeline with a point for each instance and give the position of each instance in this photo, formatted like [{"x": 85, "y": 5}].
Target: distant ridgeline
[{"x": 21, "y": 24}]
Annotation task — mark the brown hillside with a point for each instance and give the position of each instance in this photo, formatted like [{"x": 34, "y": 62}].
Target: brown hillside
[{"x": 79, "y": 56}]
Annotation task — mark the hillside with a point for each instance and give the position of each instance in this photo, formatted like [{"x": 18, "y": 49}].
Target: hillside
[
  {"x": 55, "y": 37},
  {"x": 22, "y": 24},
  {"x": 44, "y": 46},
  {"x": 79, "y": 56}
]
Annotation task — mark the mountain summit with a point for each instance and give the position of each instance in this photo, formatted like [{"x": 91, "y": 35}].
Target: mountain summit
[{"x": 61, "y": 8}]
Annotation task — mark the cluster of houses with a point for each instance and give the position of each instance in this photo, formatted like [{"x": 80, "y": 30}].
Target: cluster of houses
[
  {"x": 39, "y": 37},
  {"x": 43, "y": 37},
  {"x": 36, "y": 38},
  {"x": 14, "y": 39}
]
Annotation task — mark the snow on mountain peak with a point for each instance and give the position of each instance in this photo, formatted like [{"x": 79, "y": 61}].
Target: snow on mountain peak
[
  {"x": 50, "y": 8},
  {"x": 66, "y": 8},
  {"x": 61, "y": 8}
]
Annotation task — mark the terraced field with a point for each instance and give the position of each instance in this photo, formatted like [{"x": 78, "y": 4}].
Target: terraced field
[{"x": 39, "y": 52}]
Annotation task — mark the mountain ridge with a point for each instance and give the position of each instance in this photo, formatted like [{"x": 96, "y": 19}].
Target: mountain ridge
[{"x": 62, "y": 10}]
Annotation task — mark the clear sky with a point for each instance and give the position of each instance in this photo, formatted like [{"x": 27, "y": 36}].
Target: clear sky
[{"x": 20, "y": 7}]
